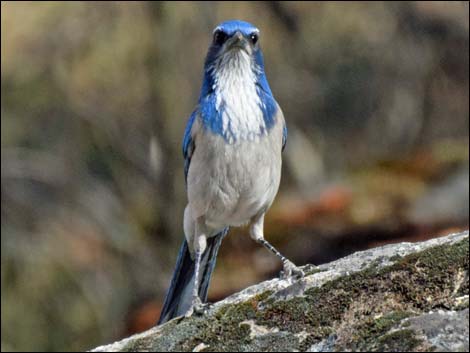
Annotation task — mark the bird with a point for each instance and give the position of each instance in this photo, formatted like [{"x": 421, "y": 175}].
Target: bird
[{"x": 232, "y": 148}]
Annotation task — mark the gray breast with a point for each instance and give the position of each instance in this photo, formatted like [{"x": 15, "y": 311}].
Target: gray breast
[{"x": 229, "y": 184}]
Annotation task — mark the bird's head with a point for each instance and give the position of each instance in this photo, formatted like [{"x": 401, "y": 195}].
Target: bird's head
[
  {"x": 232, "y": 36},
  {"x": 235, "y": 47}
]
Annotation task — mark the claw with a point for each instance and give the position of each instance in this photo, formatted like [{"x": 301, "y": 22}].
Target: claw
[
  {"x": 202, "y": 309},
  {"x": 197, "y": 307},
  {"x": 290, "y": 270}
]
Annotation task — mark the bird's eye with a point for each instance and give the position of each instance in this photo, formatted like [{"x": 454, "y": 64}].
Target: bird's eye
[
  {"x": 253, "y": 38},
  {"x": 220, "y": 37}
]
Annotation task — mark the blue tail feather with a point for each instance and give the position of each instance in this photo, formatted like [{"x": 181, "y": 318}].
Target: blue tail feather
[{"x": 179, "y": 295}]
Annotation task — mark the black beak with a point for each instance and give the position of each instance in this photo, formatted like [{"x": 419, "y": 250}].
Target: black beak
[{"x": 238, "y": 40}]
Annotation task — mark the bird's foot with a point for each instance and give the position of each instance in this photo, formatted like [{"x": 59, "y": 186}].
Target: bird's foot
[
  {"x": 290, "y": 270},
  {"x": 197, "y": 307}
]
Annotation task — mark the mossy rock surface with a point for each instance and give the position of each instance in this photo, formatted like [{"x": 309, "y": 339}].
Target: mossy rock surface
[{"x": 400, "y": 297}]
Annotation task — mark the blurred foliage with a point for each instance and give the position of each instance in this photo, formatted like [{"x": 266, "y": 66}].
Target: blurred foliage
[{"x": 95, "y": 97}]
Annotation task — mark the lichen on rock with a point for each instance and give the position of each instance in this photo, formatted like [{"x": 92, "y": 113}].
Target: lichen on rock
[{"x": 382, "y": 299}]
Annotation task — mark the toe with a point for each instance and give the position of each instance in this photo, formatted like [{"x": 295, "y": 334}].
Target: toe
[
  {"x": 291, "y": 270},
  {"x": 201, "y": 309}
]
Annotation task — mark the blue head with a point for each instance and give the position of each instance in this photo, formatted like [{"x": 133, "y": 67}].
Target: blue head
[
  {"x": 234, "y": 68},
  {"x": 228, "y": 38}
]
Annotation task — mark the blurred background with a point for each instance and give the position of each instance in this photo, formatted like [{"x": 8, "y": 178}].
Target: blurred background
[{"x": 94, "y": 101}]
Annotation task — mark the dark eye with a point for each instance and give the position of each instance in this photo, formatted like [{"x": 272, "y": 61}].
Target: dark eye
[
  {"x": 253, "y": 38},
  {"x": 220, "y": 37}
]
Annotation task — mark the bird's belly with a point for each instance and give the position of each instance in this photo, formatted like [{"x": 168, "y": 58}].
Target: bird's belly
[{"x": 229, "y": 184}]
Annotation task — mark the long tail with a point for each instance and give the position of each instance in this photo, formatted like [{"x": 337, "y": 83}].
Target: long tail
[{"x": 179, "y": 295}]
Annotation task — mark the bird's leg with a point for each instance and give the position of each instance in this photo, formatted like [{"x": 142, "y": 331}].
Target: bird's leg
[
  {"x": 256, "y": 233},
  {"x": 289, "y": 268},
  {"x": 199, "y": 245},
  {"x": 196, "y": 300},
  {"x": 196, "y": 303}
]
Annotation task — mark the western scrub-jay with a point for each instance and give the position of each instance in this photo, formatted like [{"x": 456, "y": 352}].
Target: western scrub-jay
[{"x": 232, "y": 150}]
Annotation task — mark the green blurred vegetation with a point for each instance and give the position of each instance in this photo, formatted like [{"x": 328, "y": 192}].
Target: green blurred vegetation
[{"x": 95, "y": 97}]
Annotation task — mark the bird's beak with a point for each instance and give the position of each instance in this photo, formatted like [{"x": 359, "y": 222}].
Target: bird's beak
[{"x": 238, "y": 41}]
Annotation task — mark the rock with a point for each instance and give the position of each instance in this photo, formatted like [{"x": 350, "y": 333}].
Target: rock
[
  {"x": 400, "y": 297},
  {"x": 444, "y": 330}
]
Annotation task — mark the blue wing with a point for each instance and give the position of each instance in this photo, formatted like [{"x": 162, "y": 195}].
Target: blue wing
[
  {"x": 280, "y": 116},
  {"x": 284, "y": 136},
  {"x": 188, "y": 143}
]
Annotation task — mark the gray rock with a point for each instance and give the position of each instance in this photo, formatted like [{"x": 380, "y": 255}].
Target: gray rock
[
  {"x": 446, "y": 331},
  {"x": 400, "y": 297}
]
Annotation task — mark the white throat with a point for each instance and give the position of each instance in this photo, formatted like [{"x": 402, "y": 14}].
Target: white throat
[{"x": 237, "y": 97}]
